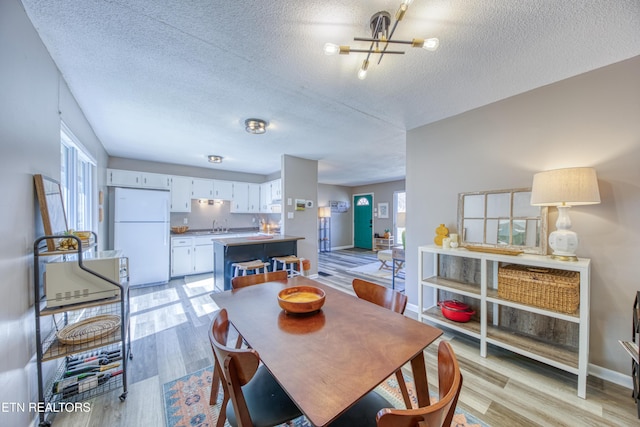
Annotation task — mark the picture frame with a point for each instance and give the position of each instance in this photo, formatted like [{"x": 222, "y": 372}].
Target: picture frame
[
  {"x": 54, "y": 220},
  {"x": 383, "y": 210}
]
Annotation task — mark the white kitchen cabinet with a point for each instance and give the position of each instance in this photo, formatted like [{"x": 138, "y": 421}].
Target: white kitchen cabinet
[
  {"x": 203, "y": 254},
  {"x": 253, "y": 205},
  {"x": 265, "y": 197},
  {"x": 222, "y": 190},
  {"x": 136, "y": 179},
  {"x": 276, "y": 190},
  {"x": 240, "y": 201},
  {"x": 180, "y": 194},
  {"x": 124, "y": 178},
  {"x": 463, "y": 274},
  {"x": 201, "y": 188},
  {"x": 181, "y": 256},
  {"x": 156, "y": 180}
]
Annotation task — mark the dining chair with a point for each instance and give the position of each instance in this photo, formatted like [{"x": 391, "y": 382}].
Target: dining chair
[
  {"x": 252, "y": 397},
  {"x": 254, "y": 279},
  {"x": 438, "y": 414},
  {"x": 394, "y": 301}
]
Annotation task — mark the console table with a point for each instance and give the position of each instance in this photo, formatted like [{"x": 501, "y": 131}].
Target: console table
[{"x": 557, "y": 339}]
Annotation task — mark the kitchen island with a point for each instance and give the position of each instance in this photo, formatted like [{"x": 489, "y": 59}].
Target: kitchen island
[{"x": 263, "y": 247}]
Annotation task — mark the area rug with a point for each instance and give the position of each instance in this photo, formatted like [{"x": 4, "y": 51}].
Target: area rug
[
  {"x": 373, "y": 270},
  {"x": 186, "y": 402}
]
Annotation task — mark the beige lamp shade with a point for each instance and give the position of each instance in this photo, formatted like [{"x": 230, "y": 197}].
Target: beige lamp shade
[
  {"x": 324, "y": 212},
  {"x": 569, "y": 187}
]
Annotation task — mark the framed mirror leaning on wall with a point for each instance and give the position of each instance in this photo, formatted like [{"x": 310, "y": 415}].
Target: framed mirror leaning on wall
[{"x": 502, "y": 219}]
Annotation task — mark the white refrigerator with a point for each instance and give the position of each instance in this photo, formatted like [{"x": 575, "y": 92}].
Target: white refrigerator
[{"x": 141, "y": 231}]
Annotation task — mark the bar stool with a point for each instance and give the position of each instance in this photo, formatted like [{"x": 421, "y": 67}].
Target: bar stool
[
  {"x": 288, "y": 263},
  {"x": 245, "y": 266}
]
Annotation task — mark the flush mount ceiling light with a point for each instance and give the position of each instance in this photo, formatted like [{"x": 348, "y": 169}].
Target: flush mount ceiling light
[
  {"x": 380, "y": 39},
  {"x": 213, "y": 158},
  {"x": 256, "y": 126}
]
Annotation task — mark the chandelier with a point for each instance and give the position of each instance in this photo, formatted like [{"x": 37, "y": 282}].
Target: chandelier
[{"x": 381, "y": 35}]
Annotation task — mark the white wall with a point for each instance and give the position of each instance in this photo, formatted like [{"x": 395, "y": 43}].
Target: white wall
[
  {"x": 33, "y": 94},
  {"x": 589, "y": 120},
  {"x": 341, "y": 222}
]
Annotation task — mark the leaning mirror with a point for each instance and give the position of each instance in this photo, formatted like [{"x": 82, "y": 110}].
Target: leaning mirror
[
  {"x": 502, "y": 219},
  {"x": 54, "y": 220}
]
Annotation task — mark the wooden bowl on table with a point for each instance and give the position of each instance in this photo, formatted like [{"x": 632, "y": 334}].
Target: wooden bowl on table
[
  {"x": 179, "y": 229},
  {"x": 301, "y": 299}
]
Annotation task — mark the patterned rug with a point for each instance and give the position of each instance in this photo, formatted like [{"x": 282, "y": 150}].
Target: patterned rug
[
  {"x": 186, "y": 402},
  {"x": 373, "y": 269}
]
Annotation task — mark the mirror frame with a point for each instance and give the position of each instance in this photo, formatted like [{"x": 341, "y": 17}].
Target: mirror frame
[
  {"x": 543, "y": 218},
  {"x": 54, "y": 219}
]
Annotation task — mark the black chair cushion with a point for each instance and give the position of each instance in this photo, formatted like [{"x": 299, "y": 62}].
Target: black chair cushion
[
  {"x": 268, "y": 403},
  {"x": 363, "y": 413}
]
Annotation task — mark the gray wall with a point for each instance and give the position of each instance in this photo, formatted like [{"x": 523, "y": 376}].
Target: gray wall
[
  {"x": 382, "y": 193},
  {"x": 300, "y": 181},
  {"x": 588, "y": 120},
  {"x": 34, "y": 98},
  {"x": 341, "y": 222}
]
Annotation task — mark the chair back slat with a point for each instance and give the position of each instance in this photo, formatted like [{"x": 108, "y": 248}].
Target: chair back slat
[
  {"x": 254, "y": 279},
  {"x": 380, "y": 295},
  {"x": 440, "y": 413}
]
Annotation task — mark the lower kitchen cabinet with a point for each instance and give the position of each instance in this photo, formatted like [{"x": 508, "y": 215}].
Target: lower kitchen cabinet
[{"x": 191, "y": 255}]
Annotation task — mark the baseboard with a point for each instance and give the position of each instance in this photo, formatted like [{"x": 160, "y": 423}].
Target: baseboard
[
  {"x": 337, "y": 248},
  {"x": 614, "y": 377}
]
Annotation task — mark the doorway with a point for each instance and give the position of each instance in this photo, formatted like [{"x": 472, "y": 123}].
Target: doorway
[{"x": 363, "y": 221}]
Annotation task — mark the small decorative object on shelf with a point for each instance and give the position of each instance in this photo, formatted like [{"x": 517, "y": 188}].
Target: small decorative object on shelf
[
  {"x": 441, "y": 233},
  {"x": 453, "y": 240},
  {"x": 387, "y": 233}
]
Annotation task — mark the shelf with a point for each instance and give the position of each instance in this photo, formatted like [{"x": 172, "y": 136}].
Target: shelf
[
  {"x": 461, "y": 288},
  {"x": 551, "y": 354},
  {"x": 47, "y": 311},
  {"x": 56, "y": 349},
  {"x": 85, "y": 247},
  {"x": 492, "y": 297},
  {"x": 631, "y": 348},
  {"x": 434, "y": 314},
  {"x": 478, "y": 280}
]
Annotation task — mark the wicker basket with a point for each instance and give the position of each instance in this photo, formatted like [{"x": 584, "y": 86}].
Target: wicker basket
[{"x": 557, "y": 290}]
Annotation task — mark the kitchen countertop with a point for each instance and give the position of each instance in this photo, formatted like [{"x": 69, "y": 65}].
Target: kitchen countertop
[
  {"x": 209, "y": 232},
  {"x": 256, "y": 239}
]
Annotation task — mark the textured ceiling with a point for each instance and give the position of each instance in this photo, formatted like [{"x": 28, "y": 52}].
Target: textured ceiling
[{"x": 173, "y": 81}]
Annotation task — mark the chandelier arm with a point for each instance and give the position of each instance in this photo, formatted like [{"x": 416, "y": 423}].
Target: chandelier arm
[
  {"x": 395, "y": 24},
  {"x": 390, "y": 52},
  {"x": 364, "y": 39}
]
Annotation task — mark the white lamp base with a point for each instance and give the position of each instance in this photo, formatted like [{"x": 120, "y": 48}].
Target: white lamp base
[{"x": 563, "y": 241}]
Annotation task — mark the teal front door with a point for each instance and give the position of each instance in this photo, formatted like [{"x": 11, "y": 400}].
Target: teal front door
[{"x": 363, "y": 221}]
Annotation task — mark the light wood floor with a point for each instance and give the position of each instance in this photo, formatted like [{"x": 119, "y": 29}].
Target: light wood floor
[{"x": 169, "y": 329}]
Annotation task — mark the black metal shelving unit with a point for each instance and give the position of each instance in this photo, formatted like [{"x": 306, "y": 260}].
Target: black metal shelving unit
[{"x": 112, "y": 348}]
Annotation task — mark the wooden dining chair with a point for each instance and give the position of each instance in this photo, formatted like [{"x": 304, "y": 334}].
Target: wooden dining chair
[
  {"x": 254, "y": 279},
  {"x": 252, "y": 397},
  {"x": 394, "y": 301},
  {"x": 440, "y": 413}
]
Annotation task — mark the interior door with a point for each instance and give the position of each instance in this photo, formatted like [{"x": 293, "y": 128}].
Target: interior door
[{"x": 363, "y": 221}]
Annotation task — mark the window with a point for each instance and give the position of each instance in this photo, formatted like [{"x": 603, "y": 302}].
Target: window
[
  {"x": 76, "y": 179},
  {"x": 362, "y": 201},
  {"x": 400, "y": 212}
]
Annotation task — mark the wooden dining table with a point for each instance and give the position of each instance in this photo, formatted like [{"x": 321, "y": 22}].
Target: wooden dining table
[{"x": 326, "y": 361}]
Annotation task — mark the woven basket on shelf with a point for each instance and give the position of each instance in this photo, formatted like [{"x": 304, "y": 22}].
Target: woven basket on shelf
[
  {"x": 557, "y": 290},
  {"x": 89, "y": 329}
]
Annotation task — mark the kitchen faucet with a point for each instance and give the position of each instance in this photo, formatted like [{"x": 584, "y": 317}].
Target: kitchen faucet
[{"x": 213, "y": 227}]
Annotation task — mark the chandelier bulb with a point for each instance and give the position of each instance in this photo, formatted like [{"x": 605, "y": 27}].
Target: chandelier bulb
[
  {"x": 362, "y": 74},
  {"x": 331, "y": 49},
  {"x": 431, "y": 44},
  {"x": 407, "y": 2}
]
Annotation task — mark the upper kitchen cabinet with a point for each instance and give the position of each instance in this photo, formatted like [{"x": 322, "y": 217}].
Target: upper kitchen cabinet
[
  {"x": 180, "y": 194},
  {"x": 222, "y": 190},
  {"x": 265, "y": 197},
  {"x": 254, "y": 198},
  {"x": 201, "y": 188},
  {"x": 276, "y": 190},
  {"x": 240, "y": 200},
  {"x": 136, "y": 179}
]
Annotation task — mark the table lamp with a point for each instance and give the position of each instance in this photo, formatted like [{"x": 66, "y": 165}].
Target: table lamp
[{"x": 564, "y": 188}]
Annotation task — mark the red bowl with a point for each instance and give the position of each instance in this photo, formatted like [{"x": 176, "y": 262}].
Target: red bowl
[{"x": 456, "y": 310}]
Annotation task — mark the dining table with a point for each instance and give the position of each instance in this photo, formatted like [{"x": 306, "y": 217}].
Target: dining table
[{"x": 327, "y": 360}]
